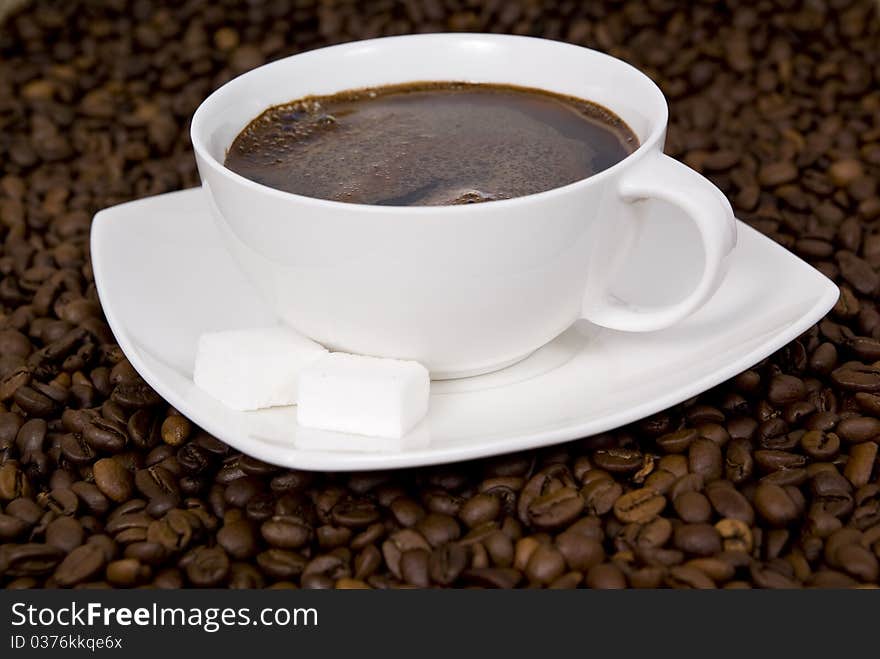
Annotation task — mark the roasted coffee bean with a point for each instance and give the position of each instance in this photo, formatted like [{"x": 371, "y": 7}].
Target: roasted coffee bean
[
  {"x": 580, "y": 552},
  {"x": 704, "y": 458},
  {"x": 144, "y": 428},
  {"x": 348, "y": 584},
  {"x": 837, "y": 540},
  {"x": 730, "y": 502},
  {"x": 736, "y": 536},
  {"x": 858, "y": 429},
  {"x": 66, "y": 533},
  {"x": 704, "y": 416},
  {"x": 399, "y": 542},
  {"x": 687, "y": 483},
  {"x": 792, "y": 414},
  {"x": 480, "y": 509},
  {"x": 857, "y": 378},
  {"x": 617, "y": 460},
  {"x": 154, "y": 482},
  {"x": 605, "y": 576},
  {"x": 127, "y": 572},
  {"x": 11, "y": 527},
  {"x": 193, "y": 459},
  {"x": 555, "y": 509},
  {"x": 677, "y": 442},
  {"x": 174, "y": 530},
  {"x": 784, "y": 389},
  {"x": 654, "y": 534},
  {"x": 10, "y": 423},
  {"x": 80, "y": 565},
  {"x": 774, "y": 504},
  {"x": 286, "y": 532},
  {"x": 824, "y": 358},
  {"x": 823, "y": 421},
  {"x": 414, "y": 567},
  {"x": 446, "y": 563},
  {"x": 714, "y": 432},
  {"x": 660, "y": 481},
  {"x": 333, "y": 565},
  {"x": 76, "y": 449},
  {"x": 92, "y": 497},
  {"x": 769, "y": 460},
  {"x": 30, "y": 438},
  {"x": 104, "y": 435},
  {"x": 354, "y": 513},
  {"x": 105, "y": 543},
  {"x": 281, "y": 563},
  {"x": 438, "y": 529},
  {"x": 241, "y": 491},
  {"x": 698, "y": 539},
  {"x": 25, "y": 509},
  {"x": 600, "y": 495},
  {"x": 489, "y": 577},
  {"x": 13, "y": 482},
  {"x": 545, "y": 565},
  {"x": 238, "y": 539},
  {"x": 675, "y": 464},
  {"x": 869, "y": 403},
  {"x": 692, "y": 507},
  {"x": 739, "y": 461},
  {"x": 656, "y": 556},
  {"x": 858, "y": 272},
  {"x": 566, "y": 581},
  {"x": 829, "y": 483},
  {"x": 368, "y": 561},
  {"x": 647, "y": 577},
  {"x": 640, "y": 506},
  {"x": 33, "y": 402},
  {"x": 741, "y": 428},
  {"x": 766, "y": 576},
  {"x": 207, "y": 567},
  {"x": 406, "y": 511},
  {"x": 860, "y": 465},
  {"x": 135, "y": 394},
  {"x": 61, "y": 501},
  {"x": 858, "y": 562},
  {"x": 499, "y": 547},
  {"x": 29, "y": 559},
  {"x": 477, "y": 535},
  {"x": 113, "y": 479},
  {"x": 523, "y": 551},
  {"x": 820, "y": 445},
  {"x": 546, "y": 481},
  {"x": 175, "y": 430},
  {"x": 371, "y": 534}
]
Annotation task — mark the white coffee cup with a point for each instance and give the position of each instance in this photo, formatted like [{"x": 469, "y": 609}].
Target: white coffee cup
[{"x": 463, "y": 289}]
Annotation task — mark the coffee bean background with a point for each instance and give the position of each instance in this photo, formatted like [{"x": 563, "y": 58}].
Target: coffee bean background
[{"x": 769, "y": 480}]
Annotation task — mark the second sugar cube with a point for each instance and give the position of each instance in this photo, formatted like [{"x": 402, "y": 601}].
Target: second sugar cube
[{"x": 363, "y": 395}]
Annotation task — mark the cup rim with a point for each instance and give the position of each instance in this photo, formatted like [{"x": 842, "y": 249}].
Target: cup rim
[{"x": 656, "y": 132}]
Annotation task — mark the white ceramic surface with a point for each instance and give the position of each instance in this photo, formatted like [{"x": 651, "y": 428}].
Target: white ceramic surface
[
  {"x": 462, "y": 289},
  {"x": 164, "y": 277}
]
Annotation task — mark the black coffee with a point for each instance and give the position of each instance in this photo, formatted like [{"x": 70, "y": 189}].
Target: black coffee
[{"x": 430, "y": 143}]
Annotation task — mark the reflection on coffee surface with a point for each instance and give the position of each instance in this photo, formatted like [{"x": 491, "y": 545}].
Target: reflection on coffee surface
[{"x": 430, "y": 143}]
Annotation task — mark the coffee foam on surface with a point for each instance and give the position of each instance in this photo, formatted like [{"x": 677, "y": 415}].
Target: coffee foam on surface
[{"x": 429, "y": 144}]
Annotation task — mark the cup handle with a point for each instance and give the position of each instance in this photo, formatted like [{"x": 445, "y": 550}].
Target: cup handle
[{"x": 664, "y": 178}]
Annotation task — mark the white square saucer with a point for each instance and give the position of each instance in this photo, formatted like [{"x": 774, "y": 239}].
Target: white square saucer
[{"x": 164, "y": 277}]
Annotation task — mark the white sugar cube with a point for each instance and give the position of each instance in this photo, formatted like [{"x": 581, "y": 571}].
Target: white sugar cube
[
  {"x": 251, "y": 369},
  {"x": 363, "y": 395}
]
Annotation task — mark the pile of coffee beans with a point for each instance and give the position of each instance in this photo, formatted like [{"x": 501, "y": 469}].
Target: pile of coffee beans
[{"x": 769, "y": 480}]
